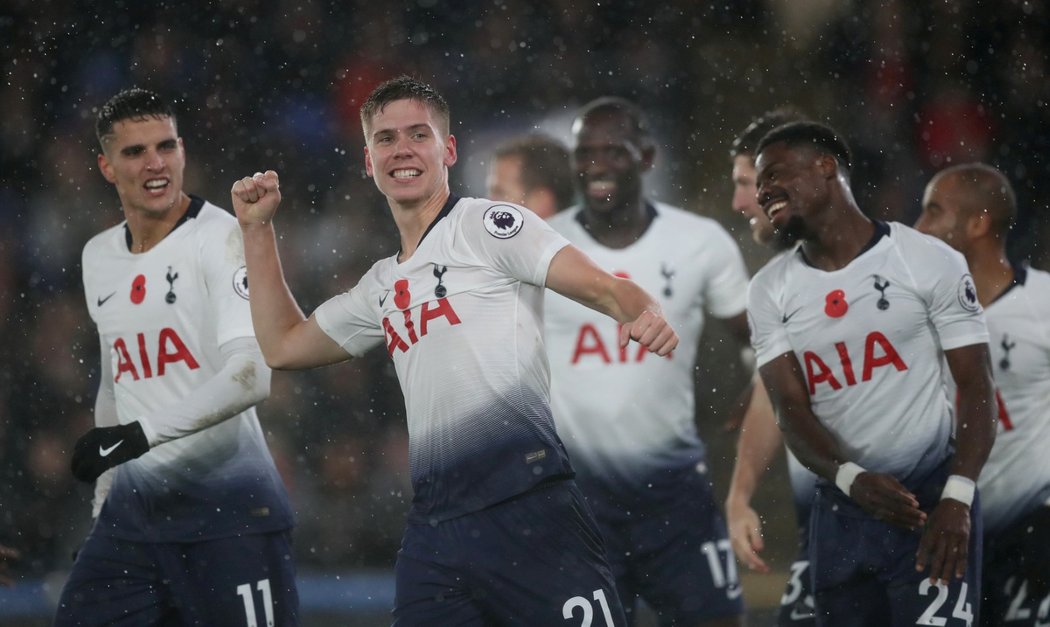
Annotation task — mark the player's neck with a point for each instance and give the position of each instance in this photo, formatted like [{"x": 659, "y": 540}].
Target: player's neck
[
  {"x": 413, "y": 220},
  {"x": 148, "y": 229},
  {"x": 992, "y": 274},
  {"x": 618, "y": 228},
  {"x": 838, "y": 242}
]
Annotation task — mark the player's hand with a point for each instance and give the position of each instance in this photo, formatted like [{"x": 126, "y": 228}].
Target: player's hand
[
  {"x": 945, "y": 543},
  {"x": 652, "y": 331},
  {"x": 255, "y": 198},
  {"x": 105, "y": 447},
  {"x": 745, "y": 533},
  {"x": 884, "y": 497},
  {"x": 7, "y": 555}
]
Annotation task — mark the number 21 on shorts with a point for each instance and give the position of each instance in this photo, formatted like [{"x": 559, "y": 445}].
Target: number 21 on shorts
[{"x": 569, "y": 609}]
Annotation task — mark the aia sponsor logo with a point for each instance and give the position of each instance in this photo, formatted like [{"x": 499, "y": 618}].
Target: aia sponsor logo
[
  {"x": 414, "y": 327},
  {"x": 879, "y": 352},
  {"x": 145, "y": 360}
]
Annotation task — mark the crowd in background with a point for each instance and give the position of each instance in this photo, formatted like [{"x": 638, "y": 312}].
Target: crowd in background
[{"x": 268, "y": 84}]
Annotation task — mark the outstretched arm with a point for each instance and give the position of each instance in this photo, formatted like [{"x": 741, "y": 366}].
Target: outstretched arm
[
  {"x": 574, "y": 275},
  {"x": 758, "y": 444},
  {"x": 288, "y": 339}
]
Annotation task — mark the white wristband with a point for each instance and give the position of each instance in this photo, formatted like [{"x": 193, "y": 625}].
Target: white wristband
[
  {"x": 846, "y": 474},
  {"x": 959, "y": 488}
]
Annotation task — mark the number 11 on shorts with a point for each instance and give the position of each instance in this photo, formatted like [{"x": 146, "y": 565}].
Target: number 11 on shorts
[{"x": 245, "y": 592}]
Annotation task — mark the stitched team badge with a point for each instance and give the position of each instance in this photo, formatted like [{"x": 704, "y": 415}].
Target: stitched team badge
[
  {"x": 240, "y": 282},
  {"x": 968, "y": 294},
  {"x": 503, "y": 221}
]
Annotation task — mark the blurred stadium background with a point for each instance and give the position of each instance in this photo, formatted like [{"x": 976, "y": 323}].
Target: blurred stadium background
[{"x": 270, "y": 84}]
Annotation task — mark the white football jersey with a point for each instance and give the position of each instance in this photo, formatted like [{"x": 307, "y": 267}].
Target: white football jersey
[
  {"x": 462, "y": 321},
  {"x": 627, "y": 414},
  {"x": 1016, "y": 477},
  {"x": 162, "y": 316},
  {"x": 869, "y": 339}
]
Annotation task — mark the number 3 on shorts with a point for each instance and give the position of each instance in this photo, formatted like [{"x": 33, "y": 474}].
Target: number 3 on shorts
[
  {"x": 582, "y": 603},
  {"x": 962, "y": 607}
]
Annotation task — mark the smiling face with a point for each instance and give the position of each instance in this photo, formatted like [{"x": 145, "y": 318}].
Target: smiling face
[
  {"x": 793, "y": 189},
  {"x": 408, "y": 153},
  {"x": 609, "y": 161},
  {"x": 144, "y": 159},
  {"x": 745, "y": 200}
]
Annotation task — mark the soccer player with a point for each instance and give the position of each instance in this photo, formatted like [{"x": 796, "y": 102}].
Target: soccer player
[
  {"x": 628, "y": 417},
  {"x": 532, "y": 171},
  {"x": 193, "y": 523},
  {"x": 760, "y": 437},
  {"x": 498, "y": 532},
  {"x": 848, "y": 332},
  {"x": 972, "y": 207}
]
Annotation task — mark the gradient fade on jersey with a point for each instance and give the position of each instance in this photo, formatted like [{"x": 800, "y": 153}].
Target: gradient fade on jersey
[
  {"x": 1016, "y": 478},
  {"x": 869, "y": 339},
  {"x": 627, "y": 416},
  {"x": 462, "y": 322},
  {"x": 162, "y": 316}
]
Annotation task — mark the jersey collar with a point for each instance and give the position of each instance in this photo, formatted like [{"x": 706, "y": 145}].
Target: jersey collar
[
  {"x": 196, "y": 204},
  {"x": 1020, "y": 276}
]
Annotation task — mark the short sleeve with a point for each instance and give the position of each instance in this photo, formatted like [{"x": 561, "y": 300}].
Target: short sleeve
[
  {"x": 955, "y": 311},
  {"x": 513, "y": 240},
  {"x": 727, "y": 290},
  {"x": 222, "y": 262},
  {"x": 768, "y": 334},
  {"x": 348, "y": 319}
]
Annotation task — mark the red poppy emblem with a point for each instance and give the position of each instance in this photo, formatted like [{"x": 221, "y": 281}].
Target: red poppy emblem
[
  {"x": 402, "y": 297},
  {"x": 138, "y": 289},
  {"x": 835, "y": 304}
]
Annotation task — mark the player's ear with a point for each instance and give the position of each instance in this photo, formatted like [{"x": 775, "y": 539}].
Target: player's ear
[
  {"x": 827, "y": 165},
  {"x": 648, "y": 157},
  {"x": 106, "y": 168},
  {"x": 451, "y": 156},
  {"x": 978, "y": 224},
  {"x": 369, "y": 168}
]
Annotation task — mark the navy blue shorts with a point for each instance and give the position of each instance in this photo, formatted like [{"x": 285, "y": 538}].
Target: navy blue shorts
[
  {"x": 230, "y": 582},
  {"x": 537, "y": 559},
  {"x": 675, "y": 554},
  {"x": 864, "y": 569},
  {"x": 797, "y": 603},
  {"x": 1017, "y": 573}
]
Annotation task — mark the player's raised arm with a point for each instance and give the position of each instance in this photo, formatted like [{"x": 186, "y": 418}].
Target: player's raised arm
[
  {"x": 574, "y": 275},
  {"x": 288, "y": 339}
]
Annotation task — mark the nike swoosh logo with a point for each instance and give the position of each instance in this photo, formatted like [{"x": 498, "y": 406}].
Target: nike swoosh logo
[
  {"x": 104, "y": 452},
  {"x": 382, "y": 299},
  {"x": 102, "y": 301},
  {"x": 790, "y": 315}
]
